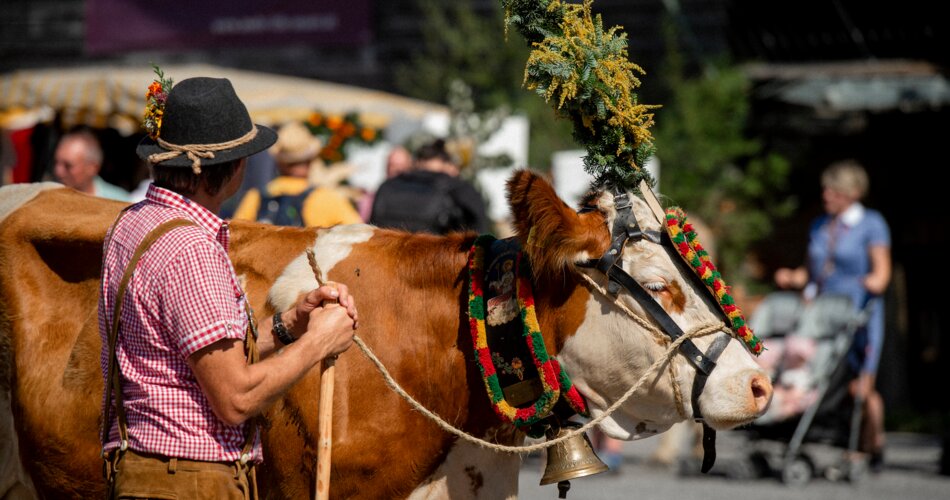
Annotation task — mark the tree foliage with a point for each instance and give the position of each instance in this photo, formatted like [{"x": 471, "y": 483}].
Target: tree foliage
[
  {"x": 464, "y": 45},
  {"x": 712, "y": 168}
]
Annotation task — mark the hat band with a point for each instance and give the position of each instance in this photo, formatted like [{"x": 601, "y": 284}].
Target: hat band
[{"x": 195, "y": 152}]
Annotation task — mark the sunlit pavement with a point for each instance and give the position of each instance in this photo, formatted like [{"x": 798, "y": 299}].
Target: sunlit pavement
[{"x": 910, "y": 472}]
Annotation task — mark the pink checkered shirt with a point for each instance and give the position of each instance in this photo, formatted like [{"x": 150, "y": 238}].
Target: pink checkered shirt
[{"x": 183, "y": 296}]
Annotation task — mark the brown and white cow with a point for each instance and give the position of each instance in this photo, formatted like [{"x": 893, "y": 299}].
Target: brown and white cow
[{"x": 410, "y": 289}]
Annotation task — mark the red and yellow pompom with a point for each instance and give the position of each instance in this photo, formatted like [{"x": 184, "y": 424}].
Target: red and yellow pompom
[{"x": 686, "y": 243}]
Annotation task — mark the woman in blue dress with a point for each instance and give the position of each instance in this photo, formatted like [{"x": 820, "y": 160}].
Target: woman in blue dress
[{"x": 849, "y": 252}]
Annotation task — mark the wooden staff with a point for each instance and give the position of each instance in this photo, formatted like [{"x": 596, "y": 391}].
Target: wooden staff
[{"x": 321, "y": 486}]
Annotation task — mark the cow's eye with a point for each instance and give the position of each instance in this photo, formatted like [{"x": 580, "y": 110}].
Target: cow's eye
[{"x": 655, "y": 286}]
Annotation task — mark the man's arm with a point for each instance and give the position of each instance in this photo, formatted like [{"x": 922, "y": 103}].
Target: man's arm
[{"x": 238, "y": 391}]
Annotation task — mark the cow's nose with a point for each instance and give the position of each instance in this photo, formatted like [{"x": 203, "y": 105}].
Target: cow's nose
[{"x": 761, "y": 388}]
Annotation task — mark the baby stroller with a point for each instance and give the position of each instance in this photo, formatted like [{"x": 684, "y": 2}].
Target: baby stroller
[{"x": 812, "y": 415}]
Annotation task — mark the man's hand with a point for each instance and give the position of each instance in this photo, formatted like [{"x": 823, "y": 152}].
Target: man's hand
[
  {"x": 298, "y": 318},
  {"x": 331, "y": 329}
]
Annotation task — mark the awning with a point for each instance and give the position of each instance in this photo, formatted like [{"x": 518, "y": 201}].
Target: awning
[
  {"x": 854, "y": 86},
  {"x": 110, "y": 96}
]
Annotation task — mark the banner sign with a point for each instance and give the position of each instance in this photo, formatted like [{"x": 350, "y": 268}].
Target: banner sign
[{"x": 133, "y": 25}]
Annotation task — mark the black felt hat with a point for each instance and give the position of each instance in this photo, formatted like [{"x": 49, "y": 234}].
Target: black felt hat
[{"x": 205, "y": 111}]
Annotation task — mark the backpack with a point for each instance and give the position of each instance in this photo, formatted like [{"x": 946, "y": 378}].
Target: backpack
[
  {"x": 283, "y": 210},
  {"x": 418, "y": 203}
]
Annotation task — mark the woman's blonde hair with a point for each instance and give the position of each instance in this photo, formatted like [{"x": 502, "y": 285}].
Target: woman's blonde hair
[{"x": 848, "y": 177}]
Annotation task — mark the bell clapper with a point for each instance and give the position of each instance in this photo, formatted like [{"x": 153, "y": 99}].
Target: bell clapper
[{"x": 562, "y": 487}]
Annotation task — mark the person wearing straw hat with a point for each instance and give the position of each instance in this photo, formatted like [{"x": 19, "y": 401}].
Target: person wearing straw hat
[
  {"x": 290, "y": 199},
  {"x": 186, "y": 368}
]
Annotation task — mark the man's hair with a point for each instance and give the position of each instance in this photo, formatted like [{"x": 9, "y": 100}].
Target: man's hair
[
  {"x": 183, "y": 180},
  {"x": 434, "y": 150},
  {"x": 92, "y": 150}
]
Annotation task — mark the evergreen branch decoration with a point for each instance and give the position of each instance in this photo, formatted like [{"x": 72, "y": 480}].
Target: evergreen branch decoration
[{"x": 585, "y": 73}]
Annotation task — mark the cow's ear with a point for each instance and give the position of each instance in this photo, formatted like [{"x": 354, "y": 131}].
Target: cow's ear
[{"x": 553, "y": 234}]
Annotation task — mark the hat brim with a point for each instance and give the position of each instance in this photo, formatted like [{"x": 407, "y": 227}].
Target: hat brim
[{"x": 265, "y": 138}]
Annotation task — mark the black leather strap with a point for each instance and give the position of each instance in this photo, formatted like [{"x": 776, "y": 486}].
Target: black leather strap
[
  {"x": 625, "y": 228},
  {"x": 699, "y": 381},
  {"x": 281, "y": 330},
  {"x": 709, "y": 448},
  {"x": 653, "y": 308}
]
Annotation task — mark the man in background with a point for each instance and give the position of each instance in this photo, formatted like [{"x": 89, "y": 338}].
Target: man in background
[
  {"x": 431, "y": 197},
  {"x": 78, "y": 160}
]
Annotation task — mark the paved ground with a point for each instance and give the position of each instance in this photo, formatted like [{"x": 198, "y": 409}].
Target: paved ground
[{"x": 910, "y": 473}]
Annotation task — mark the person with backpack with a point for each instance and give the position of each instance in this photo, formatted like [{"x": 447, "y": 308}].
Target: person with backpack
[
  {"x": 430, "y": 197},
  {"x": 290, "y": 199}
]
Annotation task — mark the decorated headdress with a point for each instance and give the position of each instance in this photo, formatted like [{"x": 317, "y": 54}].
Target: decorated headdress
[{"x": 584, "y": 72}]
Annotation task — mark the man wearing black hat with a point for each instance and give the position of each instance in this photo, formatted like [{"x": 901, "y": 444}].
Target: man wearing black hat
[{"x": 180, "y": 359}]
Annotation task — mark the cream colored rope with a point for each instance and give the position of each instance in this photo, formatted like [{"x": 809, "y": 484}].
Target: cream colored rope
[
  {"x": 195, "y": 152},
  {"x": 658, "y": 364}
]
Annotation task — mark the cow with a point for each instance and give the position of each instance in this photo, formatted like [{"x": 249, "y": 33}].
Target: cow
[{"x": 412, "y": 294}]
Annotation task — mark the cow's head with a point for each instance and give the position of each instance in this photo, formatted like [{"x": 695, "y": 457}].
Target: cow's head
[{"x": 610, "y": 350}]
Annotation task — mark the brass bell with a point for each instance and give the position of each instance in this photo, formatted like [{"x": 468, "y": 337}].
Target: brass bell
[{"x": 570, "y": 459}]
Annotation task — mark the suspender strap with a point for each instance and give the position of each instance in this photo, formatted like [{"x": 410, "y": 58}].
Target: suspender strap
[
  {"x": 114, "y": 391},
  {"x": 253, "y": 356}
]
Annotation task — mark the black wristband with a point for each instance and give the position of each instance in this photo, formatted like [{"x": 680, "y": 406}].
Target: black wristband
[{"x": 281, "y": 331}]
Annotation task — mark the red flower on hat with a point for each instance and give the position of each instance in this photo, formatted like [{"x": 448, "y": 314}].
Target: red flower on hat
[{"x": 155, "y": 103}]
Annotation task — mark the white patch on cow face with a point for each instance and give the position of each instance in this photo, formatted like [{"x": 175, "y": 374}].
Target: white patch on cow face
[
  {"x": 331, "y": 246},
  {"x": 472, "y": 472},
  {"x": 605, "y": 357},
  {"x": 14, "y": 196},
  {"x": 611, "y": 352}
]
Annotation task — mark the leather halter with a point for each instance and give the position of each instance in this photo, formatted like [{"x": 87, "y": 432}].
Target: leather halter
[{"x": 627, "y": 228}]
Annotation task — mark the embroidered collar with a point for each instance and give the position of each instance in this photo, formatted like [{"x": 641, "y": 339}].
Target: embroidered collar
[{"x": 554, "y": 381}]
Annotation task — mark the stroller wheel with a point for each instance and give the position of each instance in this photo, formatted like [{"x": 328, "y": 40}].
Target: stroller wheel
[{"x": 797, "y": 472}]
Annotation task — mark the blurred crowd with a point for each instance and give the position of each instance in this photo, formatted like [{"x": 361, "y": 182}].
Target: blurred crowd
[{"x": 291, "y": 185}]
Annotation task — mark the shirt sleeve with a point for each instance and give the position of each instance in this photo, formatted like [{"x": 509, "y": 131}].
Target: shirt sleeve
[
  {"x": 879, "y": 234},
  {"x": 202, "y": 303}
]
